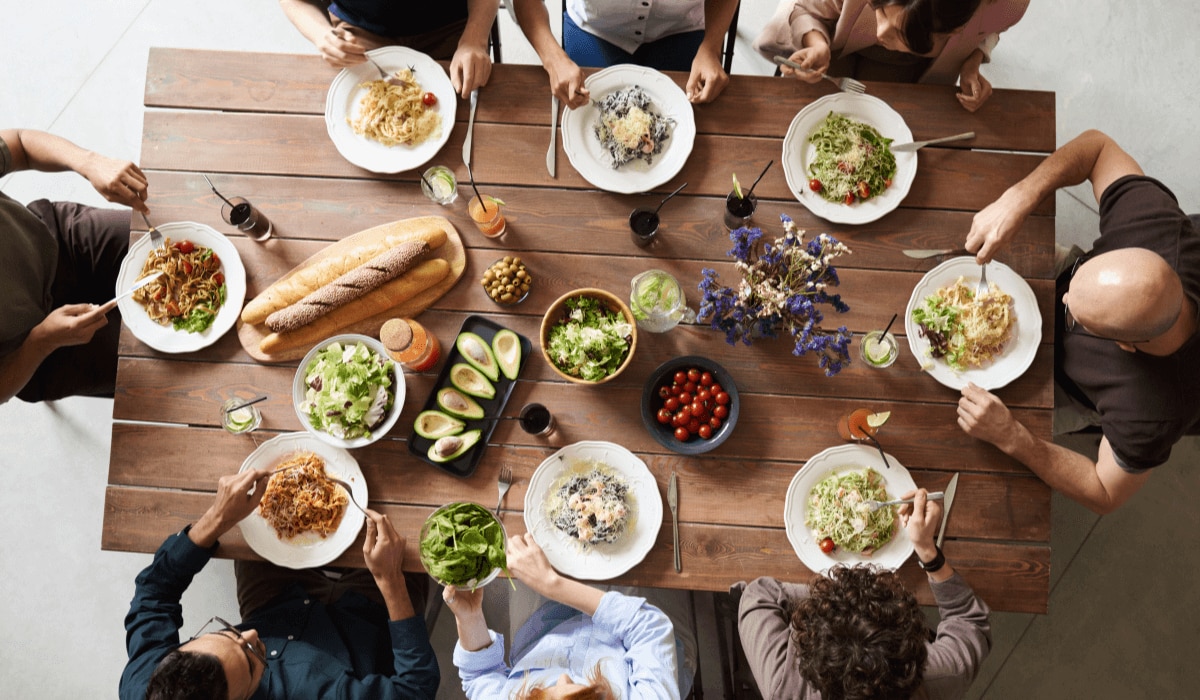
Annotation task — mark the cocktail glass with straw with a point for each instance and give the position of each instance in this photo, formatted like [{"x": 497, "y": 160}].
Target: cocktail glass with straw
[
  {"x": 643, "y": 223},
  {"x": 879, "y": 348},
  {"x": 739, "y": 208}
]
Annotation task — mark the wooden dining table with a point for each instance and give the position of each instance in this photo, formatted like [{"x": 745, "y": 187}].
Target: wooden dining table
[{"x": 254, "y": 123}]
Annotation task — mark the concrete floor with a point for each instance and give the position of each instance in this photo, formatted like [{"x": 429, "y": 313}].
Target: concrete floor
[{"x": 1123, "y": 606}]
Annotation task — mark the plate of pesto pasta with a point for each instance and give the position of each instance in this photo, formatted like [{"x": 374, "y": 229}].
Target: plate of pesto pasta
[
  {"x": 826, "y": 500},
  {"x": 838, "y": 160}
]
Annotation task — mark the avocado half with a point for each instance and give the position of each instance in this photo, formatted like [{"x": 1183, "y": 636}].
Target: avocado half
[
  {"x": 452, "y": 447},
  {"x": 506, "y": 347},
  {"x": 477, "y": 352},
  {"x": 432, "y": 425},
  {"x": 458, "y": 404},
  {"x": 471, "y": 381}
]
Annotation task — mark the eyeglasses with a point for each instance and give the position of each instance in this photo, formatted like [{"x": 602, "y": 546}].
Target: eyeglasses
[
  {"x": 1069, "y": 319},
  {"x": 221, "y": 627}
]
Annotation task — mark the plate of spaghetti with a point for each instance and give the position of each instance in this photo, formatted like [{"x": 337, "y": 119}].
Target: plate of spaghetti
[
  {"x": 304, "y": 519},
  {"x": 391, "y": 126},
  {"x": 198, "y": 297},
  {"x": 957, "y": 338},
  {"x": 843, "y": 140},
  {"x": 825, "y": 498},
  {"x": 594, "y": 508}
]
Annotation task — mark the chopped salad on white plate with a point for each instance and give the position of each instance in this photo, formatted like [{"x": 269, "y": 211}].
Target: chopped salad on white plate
[{"x": 348, "y": 390}]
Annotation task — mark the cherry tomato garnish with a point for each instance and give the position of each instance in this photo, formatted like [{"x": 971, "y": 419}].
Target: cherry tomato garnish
[
  {"x": 187, "y": 267},
  {"x": 721, "y": 412},
  {"x": 715, "y": 389},
  {"x": 185, "y": 247},
  {"x": 671, "y": 404},
  {"x": 173, "y": 309},
  {"x": 721, "y": 398},
  {"x": 693, "y": 375},
  {"x": 219, "y": 278},
  {"x": 706, "y": 379},
  {"x": 685, "y": 410},
  {"x": 682, "y": 434},
  {"x": 664, "y": 416},
  {"x": 429, "y": 99},
  {"x": 693, "y": 426},
  {"x": 863, "y": 190},
  {"x": 690, "y": 388},
  {"x": 703, "y": 395},
  {"x": 815, "y": 185},
  {"x": 845, "y": 167},
  {"x": 214, "y": 260},
  {"x": 715, "y": 422},
  {"x": 680, "y": 377},
  {"x": 685, "y": 398},
  {"x": 887, "y": 183},
  {"x": 849, "y": 198},
  {"x": 826, "y": 545},
  {"x": 705, "y": 432}
]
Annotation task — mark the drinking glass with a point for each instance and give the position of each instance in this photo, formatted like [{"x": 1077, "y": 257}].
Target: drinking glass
[
  {"x": 658, "y": 302},
  {"x": 536, "y": 419},
  {"x": 487, "y": 216},
  {"x": 643, "y": 223},
  {"x": 439, "y": 184},
  {"x": 879, "y": 349},
  {"x": 239, "y": 212},
  {"x": 242, "y": 420},
  {"x": 738, "y": 210}
]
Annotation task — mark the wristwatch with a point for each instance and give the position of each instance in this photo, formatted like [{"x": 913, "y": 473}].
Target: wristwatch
[{"x": 938, "y": 562}]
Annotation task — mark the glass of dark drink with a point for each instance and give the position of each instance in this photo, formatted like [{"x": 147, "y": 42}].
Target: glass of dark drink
[
  {"x": 738, "y": 210},
  {"x": 643, "y": 224},
  {"x": 238, "y": 211},
  {"x": 535, "y": 419}
]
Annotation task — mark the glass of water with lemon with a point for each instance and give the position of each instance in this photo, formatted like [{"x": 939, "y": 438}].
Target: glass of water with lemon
[
  {"x": 242, "y": 419},
  {"x": 879, "y": 349},
  {"x": 439, "y": 184}
]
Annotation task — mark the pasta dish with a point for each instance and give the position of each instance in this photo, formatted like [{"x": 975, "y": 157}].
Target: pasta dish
[
  {"x": 301, "y": 498},
  {"x": 837, "y": 510},
  {"x": 964, "y": 330},
  {"x": 396, "y": 114},
  {"x": 592, "y": 504},
  {"x": 189, "y": 292},
  {"x": 852, "y": 160},
  {"x": 628, "y": 129}
]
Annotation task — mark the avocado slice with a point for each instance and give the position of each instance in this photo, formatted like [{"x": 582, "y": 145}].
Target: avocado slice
[
  {"x": 471, "y": 381},
  {"x": 458, "y": 404},
  {"x": 506, "y": 346},
  {"x": 435, "y": 424},
  {"x": 477, "y": 352},
  {"x": 453, "y": 446}
]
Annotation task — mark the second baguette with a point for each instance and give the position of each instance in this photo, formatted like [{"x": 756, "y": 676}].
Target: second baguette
[{"x": 396, "y": 292}]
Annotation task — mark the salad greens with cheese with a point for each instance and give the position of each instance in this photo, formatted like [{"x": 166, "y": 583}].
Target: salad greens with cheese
[
  {"x": 853, "y": 162},
  {"x": 349, "y": 390},
  {"x": 461, "y": 544},
  {"x": 837, "y": 509},
  {"x": 591, "y": 342}
]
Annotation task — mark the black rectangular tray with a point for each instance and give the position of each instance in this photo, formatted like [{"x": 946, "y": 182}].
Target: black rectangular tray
[{"x": 465, "y": 465}]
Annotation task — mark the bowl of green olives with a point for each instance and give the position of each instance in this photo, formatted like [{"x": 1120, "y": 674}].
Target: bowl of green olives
[{"x": 507, "y": 281}]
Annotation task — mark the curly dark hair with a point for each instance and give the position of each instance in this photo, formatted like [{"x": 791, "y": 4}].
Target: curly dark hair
[
  {"x": 188, "y": 675},
  {"x": 924, "y": 18},
  {"x": 860, "y": 634}
]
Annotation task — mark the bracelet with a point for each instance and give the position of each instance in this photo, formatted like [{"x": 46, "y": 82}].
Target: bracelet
[{"x": 938, "y": 562}]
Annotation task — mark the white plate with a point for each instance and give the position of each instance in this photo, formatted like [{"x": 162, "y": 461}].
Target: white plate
[
  {"x": 844, "y": 458},
  {"x": 797, "y": 152},
  {"x": 604, "y": 561},
  {"x": 166, "y": 338},
  {"x": 591, "y": 159},
  {"x": 1027, "y": 328},
  {"x": 307, "y": 549},
  {"x": 342, "y": 102}
]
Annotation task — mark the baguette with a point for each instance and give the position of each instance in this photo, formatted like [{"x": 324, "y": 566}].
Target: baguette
[
  {"x": 300, "y": 283},
  {"x": 399, "y": 290},
  {"x": 350, "y": 286}
]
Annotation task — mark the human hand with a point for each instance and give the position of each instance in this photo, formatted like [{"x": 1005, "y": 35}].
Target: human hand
[
  {"x": 974, "y": 89},
  {"x": 995, "y": 225},
  {"x": 707, "y": 78},
  {"x": 70, "y": 324},
  {"x": 340, "y": 48},
  {"x": 463, "y": 602},
  {"x": 982, "y": 415},
  {"x": 237, "y": 496},
  {"x": 383, "y": 548},
  {"x": 921, "y": 520},
  {"x": 469, "y": 69},
  {"x": 815, "y": 60},
  {"x": 118, "y": 181},
  {"x": 566, "y": 82},
  {"x": 528, "y": 563}
]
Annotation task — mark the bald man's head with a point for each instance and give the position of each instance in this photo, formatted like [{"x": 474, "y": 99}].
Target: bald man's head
[{"x": 1130, "y": 294}]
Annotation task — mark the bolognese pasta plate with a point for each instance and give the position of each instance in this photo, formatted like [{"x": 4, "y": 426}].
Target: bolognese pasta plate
[
  {"x": 165, "y": 337},
  {"x": 307, "y": 548},
  {"x": 1018, "y": 351},
  {"x": 549, "y": 489},
  {"x": 344, "y": 102}
]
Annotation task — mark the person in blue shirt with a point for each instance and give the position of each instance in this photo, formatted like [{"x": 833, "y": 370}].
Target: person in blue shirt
[
  {"x": 582, "y": 643},
  {"x": 312, "y": 638}
]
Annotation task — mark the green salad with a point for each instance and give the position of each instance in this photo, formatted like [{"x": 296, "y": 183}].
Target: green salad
[
  {"x": 837, "y": 509},
  {"x": 590, "y": 342},
  {"x": 461, "y": 544},
  {"x": 853, "y": 162},
  {"x": 349, "y": 390}
]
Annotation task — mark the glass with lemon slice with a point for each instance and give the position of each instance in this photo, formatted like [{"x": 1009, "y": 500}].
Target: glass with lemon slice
[
  {"x": 240, "y": 420},
  {"x": 439, "y": 184},
  {"x": 861, "y": 424},
  {"x": 879, "y": 349}
]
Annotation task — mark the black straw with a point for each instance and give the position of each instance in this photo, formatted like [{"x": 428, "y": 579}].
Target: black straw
[
  {"x": 214, "y": 189},
  {"x": 426, "y": 181},
  {"x": 889, "y": 325},
  {"x": 664, "y": 201},
  {"x": 248, "y": 403},
  {"x": 760, "y": 176},
  {"x": 472, "y": 176}
]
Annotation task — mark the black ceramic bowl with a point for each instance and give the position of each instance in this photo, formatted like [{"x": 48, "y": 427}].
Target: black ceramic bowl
[{"x": 651, "y": 402}]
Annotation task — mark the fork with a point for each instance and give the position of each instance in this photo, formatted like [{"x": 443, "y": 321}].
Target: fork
[
  {"x": 155, "y": 237},
  {"x": 503, "y": 484},
  {"x": 873, "y": 506},
  {"x": 982, "y": 289},
  {"x": 844, "y": 84},
  {"x": 384, "y": 75},
  {"x": 348, "y": 490}
]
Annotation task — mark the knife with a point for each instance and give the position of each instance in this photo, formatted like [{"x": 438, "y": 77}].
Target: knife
[
  {"x": 673, "y": 502},
  {"x": 470, "y": 128},
  {"x": 136, "y": 286},
  {"x": 922, "y": 253},
  {"x": 915, "y": 145},
  {"x": 550, "y": 154},
  {"x": 947, "y": 501}
]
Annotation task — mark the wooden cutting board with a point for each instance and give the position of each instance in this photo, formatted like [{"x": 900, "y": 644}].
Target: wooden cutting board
[{"x": 451, "y": 251}]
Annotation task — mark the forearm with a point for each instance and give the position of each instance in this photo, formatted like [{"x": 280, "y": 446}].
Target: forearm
[
  {"x": 481, "y": 14},
  {"x": 38, "y": 150},
  {"x": 309, "y": 18},
  {"x": 927, "y": 552},
  {"x": 18, "y": 368},
  {"x": 534, "y": 21},
  {"x": 1063, "y": 470},
  {"x": 1071, "y": 164},
  {"x": 395, "y": 596},
  {"x": 971, "y": 65},
  {"x": 580, "y": 596},
  {"x": 717, "y": 16},
  {"x": 473, "y": 631}
]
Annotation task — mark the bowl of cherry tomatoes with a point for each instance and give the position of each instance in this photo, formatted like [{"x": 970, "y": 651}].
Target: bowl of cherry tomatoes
[{"x": 690, "y": 405}]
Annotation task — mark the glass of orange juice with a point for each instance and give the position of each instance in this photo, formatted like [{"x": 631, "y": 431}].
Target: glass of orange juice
[
  {"x": 861, "y": 424},
  {"x": 485, "y": 212}
]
